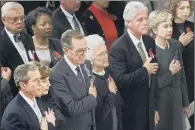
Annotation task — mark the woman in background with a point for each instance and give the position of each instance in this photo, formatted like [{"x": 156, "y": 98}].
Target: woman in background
[
  {"x": 183, "y": 30},
  {"x": 48, "y": 50}
]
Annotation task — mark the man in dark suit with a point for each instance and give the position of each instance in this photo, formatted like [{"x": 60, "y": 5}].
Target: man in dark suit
[
  {"x": 23, "y": 112},
  {"x": 133, "y": 69},
  {"x": 71, "y": 89},
  {"x": 67, "y": 17},
  {"x": 16, "y": 47}
]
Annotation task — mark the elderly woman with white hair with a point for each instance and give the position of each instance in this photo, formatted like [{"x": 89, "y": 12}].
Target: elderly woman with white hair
[
  {"x": 172, "y": 89},
  {"x": 107, "y": 112}
]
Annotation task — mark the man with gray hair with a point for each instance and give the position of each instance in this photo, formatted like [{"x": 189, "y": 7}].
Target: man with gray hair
[
  {"x": 70, "y": 87},
  {"x": 134, "y": 70},
  {"x": 16, "y": 47}
]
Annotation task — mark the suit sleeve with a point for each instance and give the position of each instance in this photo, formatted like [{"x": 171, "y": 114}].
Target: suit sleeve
[
  {"x": 119, "y": 72},
  {"x": 183, "y": 84},
  {"x": 70, "y": 106},
  {"x": 105, "y": 108},
  {"x": 13, "y": 122},
  {"x": 5, "y": 87}
]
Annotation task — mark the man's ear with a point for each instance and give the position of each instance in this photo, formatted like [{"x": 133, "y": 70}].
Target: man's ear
[{"x": 22, "y": 85}]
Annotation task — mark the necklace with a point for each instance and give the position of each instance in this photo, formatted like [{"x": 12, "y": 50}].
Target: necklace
[{"x": 41, "y": 47}]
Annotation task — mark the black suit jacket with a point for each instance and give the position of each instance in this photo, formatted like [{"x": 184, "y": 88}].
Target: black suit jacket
[
  {"x": 55, "y": 46},
  {"x": 74, "y": 104},
  {"x": 126, "y": 68},
  {"x": 11, "y": 58},
  {"x": 19, "y": 116},
  {"x": 61, "y": 23},
  {"x": 188, "y": 58}
]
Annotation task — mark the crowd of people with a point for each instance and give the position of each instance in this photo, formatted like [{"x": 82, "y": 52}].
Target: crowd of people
[{"x": 75, "y": 65}]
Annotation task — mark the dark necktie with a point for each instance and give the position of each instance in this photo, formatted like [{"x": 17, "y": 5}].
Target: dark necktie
[
  {"x": 79, "y": 75},
  {"x": 18, "y": 38},
  {"x": 76, "y": 25}
]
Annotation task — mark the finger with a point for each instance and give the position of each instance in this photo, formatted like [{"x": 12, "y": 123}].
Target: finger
[{"x": 149, "y": 59}]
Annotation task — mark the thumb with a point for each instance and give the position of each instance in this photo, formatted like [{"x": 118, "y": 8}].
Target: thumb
[{"x": 149, "y": 60}]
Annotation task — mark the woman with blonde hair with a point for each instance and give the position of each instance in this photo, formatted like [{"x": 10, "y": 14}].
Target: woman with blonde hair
[{"x": 171, "y": 90}]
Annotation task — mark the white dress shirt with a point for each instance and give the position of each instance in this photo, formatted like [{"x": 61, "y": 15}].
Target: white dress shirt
[
  {"x": 33, "y": 105},
  {"x": 19, "y": 47},
  {"x": 136, "y": 41},
  {"x": 70, "y": 19}
]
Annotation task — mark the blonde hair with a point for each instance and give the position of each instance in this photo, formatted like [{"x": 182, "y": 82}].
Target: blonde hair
[
  {"x": 155, "y": 18},
  {"x": 171, "y": 5},
  {"x": 44, "y": 70}
]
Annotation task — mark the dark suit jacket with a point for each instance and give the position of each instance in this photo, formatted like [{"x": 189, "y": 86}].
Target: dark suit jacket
[
  {"x": 55, "y": 46},
  {"x": 61, "y": 23},
  {"x": 188, "y": 58},
  {"x": 19, "y": 116},
  {"x": 73, "y": 101},
  {"x": 5, "y": 95},
  {"x": 126, "y": 68},
  {"x": 11, "y": 58}
]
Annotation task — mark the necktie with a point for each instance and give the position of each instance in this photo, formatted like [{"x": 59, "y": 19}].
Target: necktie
[
  {"x": 141, "y": 52},
  {"x": 18, "y": 38},
  {"x": 76, "y": 25},
  {"x": 79, "y": 75},
  {"x": 37, "y": 111}
]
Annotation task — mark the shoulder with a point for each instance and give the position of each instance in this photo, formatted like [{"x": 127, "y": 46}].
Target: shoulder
[
  {"x": 87, "y": 13},
  {"x": 174, "y": 43},
  {"x": 55, "y": 41}
]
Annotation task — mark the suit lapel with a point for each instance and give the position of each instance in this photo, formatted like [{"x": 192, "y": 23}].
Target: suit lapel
[
  {"x": 133, "y": 51},
  {"x": 63, "y": 18},
  {"x": 11, "y": 48},
  {"x": 32, "y": 116}
]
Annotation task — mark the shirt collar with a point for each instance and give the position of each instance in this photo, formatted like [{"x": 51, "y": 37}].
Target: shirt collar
[
  {"x": 29, "y": 101},
  {"x": 134, "y": 39},
  {"x": 72, "y": 66},
  {"x": 11, "y": 35},
  {"x": 68, "y": 15}
]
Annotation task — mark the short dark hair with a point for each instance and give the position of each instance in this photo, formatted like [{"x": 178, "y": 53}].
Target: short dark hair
[{"x": 31, "y": 18}]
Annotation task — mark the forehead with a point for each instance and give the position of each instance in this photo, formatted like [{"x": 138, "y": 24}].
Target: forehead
[
  {"x": 183, "y": 3},
  {"x": 15, "y": 12},
  {"x": 43, "y": 17},
  {"x": 141, "y": 14},
  {"x": 79, "y": 43},
  {"x": 165, "y": 22}
]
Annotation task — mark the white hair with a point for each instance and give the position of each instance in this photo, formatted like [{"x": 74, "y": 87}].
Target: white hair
[
  {"x": 93, "y": 41},
  {"x": 10, "y": 5},
  {"x": 131, "y": 10}
]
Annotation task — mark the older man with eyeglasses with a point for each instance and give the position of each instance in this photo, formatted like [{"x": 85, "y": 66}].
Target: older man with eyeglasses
[
  {"x": 16, "y": 46},
  {"x": 71, "y": 89}
]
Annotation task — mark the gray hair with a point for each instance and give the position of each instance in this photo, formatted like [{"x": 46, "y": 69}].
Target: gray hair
[
  {"x": 131, "y": 10},
  {"x": 10, "y": 5},
  {"x": 93, "y": 41},
  {"x": 66, "y": 38},
  {"x": 155, "y": 18},
  {"x": 21, "y": 73}
]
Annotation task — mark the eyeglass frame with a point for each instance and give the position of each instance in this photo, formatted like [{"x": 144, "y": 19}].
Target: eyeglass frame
[
  {"x": 81, "y": 52},
  {"x": 14, "y": 19}
]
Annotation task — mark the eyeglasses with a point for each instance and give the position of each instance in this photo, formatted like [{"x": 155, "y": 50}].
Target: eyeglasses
[
  {"x": 81, "y": 52},
  {"x": 105, "y": 53},
  {"x": 15, "y": 19}
]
